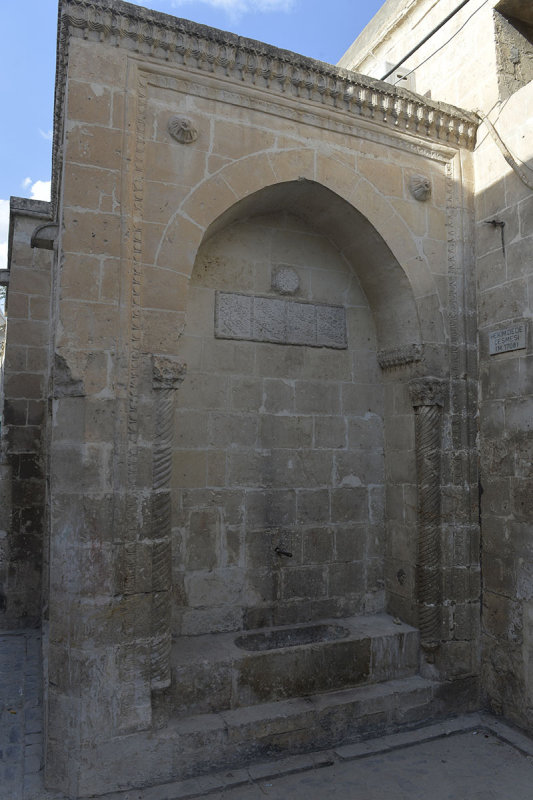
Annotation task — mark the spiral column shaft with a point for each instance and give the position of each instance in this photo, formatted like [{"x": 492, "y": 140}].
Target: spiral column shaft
[
  {"x": 167, "y": 377},
  {"x": 427, "y": 396}
]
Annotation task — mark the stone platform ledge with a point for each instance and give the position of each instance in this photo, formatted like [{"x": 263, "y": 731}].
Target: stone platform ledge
[
  {"x": 477, "y": 723},
  {"x": 409, "y": 701},
  {"x": 375, "y": 647}
]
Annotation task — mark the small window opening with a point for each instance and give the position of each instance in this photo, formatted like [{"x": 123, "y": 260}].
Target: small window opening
[{"x": 513, "y": 26}]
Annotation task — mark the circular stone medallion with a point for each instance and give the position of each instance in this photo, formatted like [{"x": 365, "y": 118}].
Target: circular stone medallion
[{"x": 285, "y": 280}]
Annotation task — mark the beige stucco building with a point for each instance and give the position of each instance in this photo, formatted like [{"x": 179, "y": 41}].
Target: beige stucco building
[{"x": 267, "y": 348}]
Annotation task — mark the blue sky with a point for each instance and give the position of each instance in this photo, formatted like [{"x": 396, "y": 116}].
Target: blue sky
[{"x": 322, "y": 29}]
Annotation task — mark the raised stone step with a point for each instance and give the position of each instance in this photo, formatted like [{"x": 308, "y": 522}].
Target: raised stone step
[
  {"x": 204, "y": 743},
  {"x": 219, "y": 672}
]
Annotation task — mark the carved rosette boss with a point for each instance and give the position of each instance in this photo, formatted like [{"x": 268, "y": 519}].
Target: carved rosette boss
[
  {"x": 182, "y": 130},
  {"x": 427, "y": 397},
  {"x": 167, "y": 376},
  {"x": 420, "y": 187}
]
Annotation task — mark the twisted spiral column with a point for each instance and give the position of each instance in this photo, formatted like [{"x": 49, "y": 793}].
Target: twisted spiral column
[
  {"x": 427, "y": 397},
  {"x": 167, "y": 375}
]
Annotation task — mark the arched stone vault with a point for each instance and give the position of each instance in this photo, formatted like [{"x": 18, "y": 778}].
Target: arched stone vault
[
  {"x": 349, "y": 210},
  {"x": 382, "y": 278},
  {"x": 212, "y": 207}
]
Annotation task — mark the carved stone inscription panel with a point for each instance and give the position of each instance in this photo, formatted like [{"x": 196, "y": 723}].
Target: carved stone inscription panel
[{"x": 265, "y": 319}]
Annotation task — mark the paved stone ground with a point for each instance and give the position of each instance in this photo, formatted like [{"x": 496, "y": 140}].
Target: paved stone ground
[
  {"x": 21, "y": 716},
  {"x": 460, "y": 767},
  {"x": 474, "y": 757}
]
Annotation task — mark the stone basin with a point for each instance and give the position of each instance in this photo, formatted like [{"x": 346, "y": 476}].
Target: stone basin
[
  {"x": 221, "y": 671},
  {"x": 291, "y": 637}
]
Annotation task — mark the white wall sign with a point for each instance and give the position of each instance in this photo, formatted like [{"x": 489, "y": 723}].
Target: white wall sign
[{"x": 506, "y": 339}]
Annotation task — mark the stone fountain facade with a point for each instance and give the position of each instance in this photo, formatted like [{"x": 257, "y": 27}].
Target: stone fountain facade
[{"x": 240, "y": 395}]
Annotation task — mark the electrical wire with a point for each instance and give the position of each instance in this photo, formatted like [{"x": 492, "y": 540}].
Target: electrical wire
[
  {"x": 514, "y": 162},
  {"x": 403, "y": 77},
  {"x": 511, "y": 160},
  {"x": 426, "y": 38}
]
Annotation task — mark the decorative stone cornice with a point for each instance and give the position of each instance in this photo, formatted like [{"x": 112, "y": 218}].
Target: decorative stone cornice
[
  {"x": 209, "y": 50},
  {"x": 26, "y": 206}
]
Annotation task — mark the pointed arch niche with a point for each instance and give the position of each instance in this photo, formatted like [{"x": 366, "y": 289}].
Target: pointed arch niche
[{"x": 294, "y": 458}]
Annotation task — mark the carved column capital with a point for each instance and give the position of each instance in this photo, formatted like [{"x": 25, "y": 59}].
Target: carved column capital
[
  {"x": 427, "y": 391},
  {"x": 167, "y": 372}
]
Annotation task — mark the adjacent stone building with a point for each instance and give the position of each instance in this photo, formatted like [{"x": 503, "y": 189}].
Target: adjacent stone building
[
  {"x": 251, "y": 392},
  {"x": 482, "y": 61}
]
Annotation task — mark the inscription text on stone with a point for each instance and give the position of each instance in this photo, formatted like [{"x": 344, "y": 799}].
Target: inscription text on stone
[
  {"x": 265, "y": 319},
  {"x": 506, "y": 339}
]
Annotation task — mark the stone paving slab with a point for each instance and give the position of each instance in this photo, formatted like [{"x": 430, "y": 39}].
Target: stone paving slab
[
  {"x": 473, "y": 765},
  {"x": 412, "y": 737},
  {"x": 471, "y": 757},
  {"x": 21, "y": 717}
]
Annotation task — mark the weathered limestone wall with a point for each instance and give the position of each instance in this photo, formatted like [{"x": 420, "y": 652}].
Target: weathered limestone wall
[
  {"x": 505, "y": 276},
  {"x": 187, "y": 162},
  {"x": 483, "y": 64},
  {"x": 23, "y": 523},
  {"x": 466, "y": 83},
  {"x": 278, "y": 444},
  {"x": 99, "y": 606}
]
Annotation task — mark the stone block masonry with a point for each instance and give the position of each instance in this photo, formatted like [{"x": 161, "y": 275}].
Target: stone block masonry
[
  {"x": 302, "y": 485},
  {"x": 240, "y": 221},
  {"x": 26, "y": 374},
  {"x": 491, "y": 56}
]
